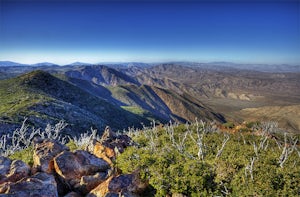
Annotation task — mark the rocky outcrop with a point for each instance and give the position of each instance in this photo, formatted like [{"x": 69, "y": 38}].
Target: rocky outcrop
[
  {"x": 123, "y": 185},
  {"x": 59, "y": 172},
  {"x": 44, "y": 152},
  {"x": 114, "y": 141},
  {"x": 39, "y": 185},
  {"x": 12, "y": 171},
  {"x": 111, "y": 145},
  {"x": 81, "y": 170}
]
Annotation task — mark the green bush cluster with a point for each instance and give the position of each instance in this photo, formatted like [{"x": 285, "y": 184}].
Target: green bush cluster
[
  {"x": 229, "y": 125},
  {"x": 25, "y": 155},
  {"x": 172, "y": 169}
]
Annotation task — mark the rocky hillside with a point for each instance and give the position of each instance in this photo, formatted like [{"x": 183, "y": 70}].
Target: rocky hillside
[{"x": 57, "y": 171}]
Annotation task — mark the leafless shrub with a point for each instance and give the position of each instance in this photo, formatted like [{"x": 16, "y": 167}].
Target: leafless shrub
[
  {"x": 22, "y": 138},
  {"x": 53, "y": 132},
  {"x": 84, "y": 141},
  {"x": 223, "y": 146},
  {"x": 200, "y": 133},
  {"x": 178, "y": 143},
  {"x": 269, "y": 127},
  {"x": 289, "y": 146},
  {"x": 249, "y": 168}
]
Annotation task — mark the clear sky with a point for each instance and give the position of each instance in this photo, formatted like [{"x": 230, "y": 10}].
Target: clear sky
[{"x": 150, "y": 31}]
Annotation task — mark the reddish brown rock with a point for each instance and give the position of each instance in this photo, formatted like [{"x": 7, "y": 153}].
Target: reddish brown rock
[
  {"x": 110, "y": 145},
  {"x": 125, "y": 185},
  {"x": 87, "y": 183},
  {"x": 44, "y": 152},
  {"x": 39, "y": 185},
  {"x": 81, "y": 170},
  {"x": 104, "y": 152},
  {"x": 101, "y": 189},
  {"x": 12, "y": 171},
  {"x": 114, "y": 141}
]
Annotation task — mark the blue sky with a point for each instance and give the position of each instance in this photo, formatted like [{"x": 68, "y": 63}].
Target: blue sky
[{"x": 150, "y": 31}]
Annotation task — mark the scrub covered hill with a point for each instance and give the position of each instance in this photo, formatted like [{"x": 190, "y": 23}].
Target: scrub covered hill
[{"x": 44, "y": 98}]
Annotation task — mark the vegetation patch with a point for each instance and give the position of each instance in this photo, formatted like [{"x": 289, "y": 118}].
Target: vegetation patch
[{"x": 199, "y": 160}]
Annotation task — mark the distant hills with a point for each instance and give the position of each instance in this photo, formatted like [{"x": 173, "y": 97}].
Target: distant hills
[
  {"x": 210, "y": 65},
  {"x": 131, "y": 94},
  {"x": 9, "y": 63}
]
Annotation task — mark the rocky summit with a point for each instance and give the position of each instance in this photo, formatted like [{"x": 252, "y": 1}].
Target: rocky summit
[{"x": 57, "y": 171}]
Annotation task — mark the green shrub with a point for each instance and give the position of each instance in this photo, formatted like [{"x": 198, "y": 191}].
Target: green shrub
[
  {"x": 71, "y": 145},
  {"x": 251, "y": 124},
  {"x": 229, "y": 125},
  {"x": 25, "y": 155},
  {"x": 171, "y": 169}
]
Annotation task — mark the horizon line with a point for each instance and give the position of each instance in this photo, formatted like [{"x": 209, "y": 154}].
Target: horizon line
[{"x": 152, "y": 62}]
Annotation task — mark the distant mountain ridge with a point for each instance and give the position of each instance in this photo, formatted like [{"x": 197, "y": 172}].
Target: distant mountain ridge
[
  {"x": 9, "y": 63},
  {"x": 210, "y": 65},
  {"x": 178, "y": 91}
]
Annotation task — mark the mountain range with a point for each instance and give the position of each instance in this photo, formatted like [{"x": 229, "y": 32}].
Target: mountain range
[{"x": 123, "y": 95}]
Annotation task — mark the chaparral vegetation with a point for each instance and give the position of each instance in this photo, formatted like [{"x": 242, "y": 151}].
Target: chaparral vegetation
[
  {"x": 198, "y": 160},
  {"x": 193, "y": 159}
]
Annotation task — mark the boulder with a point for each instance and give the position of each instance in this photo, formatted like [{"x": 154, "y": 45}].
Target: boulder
[
  {"x": 106, "y": 153},
  {"x": 81, "y": 170},
  {"x": 12, "y": 171},
  {"x": 39, "y": 185},
  {"x": 124, "y": 185},
  {"x": 111, "y": 145},
  {"x": 72, "y": 194},
  {"x": 87, "y": 183},
  {"x": 44, "y": 152},
  {"x": 114, "y": 141},
  {"x": 121, "y": 194}
]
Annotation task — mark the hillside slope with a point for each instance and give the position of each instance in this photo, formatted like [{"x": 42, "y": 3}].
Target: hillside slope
[
  {"x": 44, "y": 98},
  {"x": 166, "y": 104},
  {"x": 101, "y": 75},
  {"x": 286, "y": 116}
]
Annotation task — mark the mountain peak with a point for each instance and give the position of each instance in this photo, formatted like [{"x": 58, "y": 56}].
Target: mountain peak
[
  {"x": 78, "y": 64},
  {"x": 44, "y": 64},
  {"x": 9, "y": 63},
  {"x": 37, "y": 78}
]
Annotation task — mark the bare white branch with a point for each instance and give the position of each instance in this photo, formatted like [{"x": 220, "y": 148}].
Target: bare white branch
[{"x": 223, "y": 146}]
